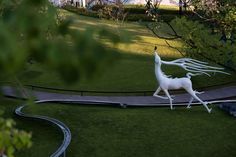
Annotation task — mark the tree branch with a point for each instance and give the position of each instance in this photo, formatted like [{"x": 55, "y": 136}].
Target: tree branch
[
  {"x": 174, "y": 48},
  {"x": 172, "y": 28},
  {"x": 161, "y": 37}
]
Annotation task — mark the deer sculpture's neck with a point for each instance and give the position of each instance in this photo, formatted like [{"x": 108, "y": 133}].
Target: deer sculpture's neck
[{"x": 158, "y": 72}]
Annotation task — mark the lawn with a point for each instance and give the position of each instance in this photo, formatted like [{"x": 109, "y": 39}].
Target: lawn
[
  {"x": 115, "y": 132},
  {"x": 132, "y": 70}
]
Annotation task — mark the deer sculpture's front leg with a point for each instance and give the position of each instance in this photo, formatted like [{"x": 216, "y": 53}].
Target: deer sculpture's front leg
[
  {"x": 158, "y": 96},
  {"x": 168, "y": 95}
]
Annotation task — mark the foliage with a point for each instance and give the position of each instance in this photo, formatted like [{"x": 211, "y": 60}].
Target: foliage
[
  {"x": 221, "y": 13},
  {"x": 133, "y": 13},
  {"x": 117, "y": 10},
  {"x": 212, "y": 35},
  {"x": 12, "y": 139},
  {"x": 97, "y": 7},
  {"x": 114, "y": 12},
  {"x": 31, "y": 31},
  {"x": 152, "y": 9},
  {"x": 202, "y": 43},
  {"x": 137, "y": 9},
  {"x": 105, "y": 13},
  {"x": 81, "y": 11}
]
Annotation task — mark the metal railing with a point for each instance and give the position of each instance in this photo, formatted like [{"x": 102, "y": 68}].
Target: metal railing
[
  {"x": 83, "y": 92},
  {"x": 66, "y": 131},
  {"x": 95, "y": 92}
]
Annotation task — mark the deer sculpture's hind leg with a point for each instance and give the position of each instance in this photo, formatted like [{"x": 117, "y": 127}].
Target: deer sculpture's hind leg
[
  {"x": 191, "y": 99},
  {"x": 190, "y": 102},
  {"x": 193, "y": 94},
  {"x": 168, "y": 95}
]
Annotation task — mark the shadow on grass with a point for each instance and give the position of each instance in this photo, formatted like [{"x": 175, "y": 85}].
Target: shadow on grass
[{"x": 128, "y": 72}]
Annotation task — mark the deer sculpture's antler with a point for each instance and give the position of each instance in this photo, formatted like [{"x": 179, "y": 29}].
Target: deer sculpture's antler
[{"x": 195, "y": 66}]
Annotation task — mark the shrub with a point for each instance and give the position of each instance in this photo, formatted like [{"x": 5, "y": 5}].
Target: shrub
[
  {"x": 81, "y": 11},
  {"x": 167, "y": 18},
  {"x": 134, "y": 14},
  {"x": 136, "y": 9},
  {"x": 97, "y": 7},
  {"x": 202, "y": 43},
  {"x": 138, "y": 17}
]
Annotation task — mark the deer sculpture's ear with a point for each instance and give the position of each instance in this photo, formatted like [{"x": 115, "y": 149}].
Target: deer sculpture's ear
[{"x": 155, "y": 48}]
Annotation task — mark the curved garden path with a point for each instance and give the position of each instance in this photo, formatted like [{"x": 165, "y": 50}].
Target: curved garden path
[{"x": 179, "y": 99}]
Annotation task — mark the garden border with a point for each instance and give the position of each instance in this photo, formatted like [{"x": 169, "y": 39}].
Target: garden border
[{"x": 65, "y": 129}]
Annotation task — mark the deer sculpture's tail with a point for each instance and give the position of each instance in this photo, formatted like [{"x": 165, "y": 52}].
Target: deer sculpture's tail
[{"x": 189, "y": 75}]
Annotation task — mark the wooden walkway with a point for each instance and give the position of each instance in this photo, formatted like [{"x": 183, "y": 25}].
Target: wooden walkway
[{"x": 180, "y": 99}]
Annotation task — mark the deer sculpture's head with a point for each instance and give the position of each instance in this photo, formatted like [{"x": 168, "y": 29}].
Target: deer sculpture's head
[{"x": 157, "y": 57}]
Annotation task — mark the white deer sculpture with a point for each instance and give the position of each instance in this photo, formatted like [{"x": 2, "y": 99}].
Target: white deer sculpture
[{"x": 194, "y": 67}]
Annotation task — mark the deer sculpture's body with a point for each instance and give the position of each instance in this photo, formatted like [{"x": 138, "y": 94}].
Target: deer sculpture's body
[{"x": 167, "y": 83}]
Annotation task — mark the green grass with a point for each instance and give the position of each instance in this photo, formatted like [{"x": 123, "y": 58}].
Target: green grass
[
  {"x": 115, "y": 132},
  {"x": 111, "y": 131},
  {"x": 133, "y": 70}
]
